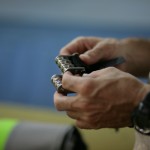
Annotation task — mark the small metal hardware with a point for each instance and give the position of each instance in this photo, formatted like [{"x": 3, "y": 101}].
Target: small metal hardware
[{"x": 76, "y": 66}]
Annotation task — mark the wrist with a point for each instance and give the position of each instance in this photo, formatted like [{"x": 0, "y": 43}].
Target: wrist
[
  {"x": 141, "y": 114},
  {"x": 142, "y": 93}
]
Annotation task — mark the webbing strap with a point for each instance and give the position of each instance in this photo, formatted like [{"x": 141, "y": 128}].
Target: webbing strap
[{"x": 6, "y": 127}]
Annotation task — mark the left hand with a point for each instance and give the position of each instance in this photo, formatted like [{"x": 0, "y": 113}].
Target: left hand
[{"x": 104, "y": 98}]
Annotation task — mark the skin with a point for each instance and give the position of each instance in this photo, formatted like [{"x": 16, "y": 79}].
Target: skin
[{"x": 105, "y": 98}]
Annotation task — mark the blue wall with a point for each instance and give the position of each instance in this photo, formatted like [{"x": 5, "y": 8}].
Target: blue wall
[{"x": 27, "y": 55}]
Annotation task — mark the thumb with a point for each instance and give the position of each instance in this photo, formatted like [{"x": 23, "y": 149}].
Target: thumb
[
  {"x": 91, "y": 56},
  {"x": 103, "y": 50}
]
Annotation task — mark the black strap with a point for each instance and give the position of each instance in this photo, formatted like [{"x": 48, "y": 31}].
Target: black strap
[{"x": 100, "y": 65}]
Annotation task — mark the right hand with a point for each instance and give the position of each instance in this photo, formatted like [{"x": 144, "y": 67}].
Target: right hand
[{"x": 104, "y": 98}]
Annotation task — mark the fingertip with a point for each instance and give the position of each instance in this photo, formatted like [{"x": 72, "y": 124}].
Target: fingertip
[
  {"x": 85, "y": 58},
  {"x": 56, "y": 96},
  {"x": 58, "y": 101},
  {"x": 63, "y": 51},
  {"x": 66, "y": 75}
]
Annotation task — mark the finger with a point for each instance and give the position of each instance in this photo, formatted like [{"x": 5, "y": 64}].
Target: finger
[
  {"x": 102, "y": 72},
  {"x": 75, "y": 46},
  {"x": 93, "y": 74},
  {"x": 74, "y": 114},
  {"x": 92, "y": 56},
  {"x": 63, "y": 103},
  {"x": 102, "y": 51},
  {"x": 73, "y": 83},
  {"x": 83, "y": 125},
  {"x": 99, "y": 73}
]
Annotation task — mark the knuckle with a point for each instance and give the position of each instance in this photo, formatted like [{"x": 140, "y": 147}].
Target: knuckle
[
  {"x": 86, "y": 87},
  {"x": 84, "y": 106},
  {"x": 110, "y": 41},
  {"x": 80, "y": 38},
  {"x": 111, "y": 69}
]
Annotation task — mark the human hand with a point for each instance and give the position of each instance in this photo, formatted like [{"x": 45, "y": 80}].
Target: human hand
[
  {"x": 104, "y": 98},
  {"x": 93, "y": 49}
]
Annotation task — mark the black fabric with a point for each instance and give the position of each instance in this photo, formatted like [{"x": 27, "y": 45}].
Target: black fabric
[{"x": 73, "y": 141}]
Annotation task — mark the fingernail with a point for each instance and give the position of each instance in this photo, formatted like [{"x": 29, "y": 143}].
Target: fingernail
[
  {"x": 68, "y": 72},
  {"x": 84, "y": 58},
  {"x": 85, "y": 75}
]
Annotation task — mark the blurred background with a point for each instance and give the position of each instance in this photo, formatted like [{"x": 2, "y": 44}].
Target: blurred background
[{"x": 31, "y": 35}]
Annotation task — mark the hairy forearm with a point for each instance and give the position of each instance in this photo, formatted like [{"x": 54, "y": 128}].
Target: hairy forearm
[{"x": 137, "y": 52}]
